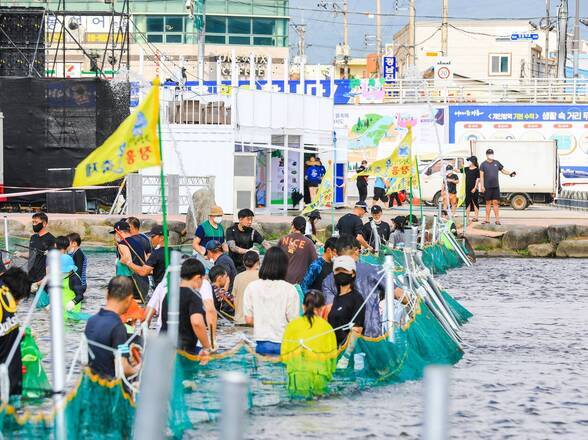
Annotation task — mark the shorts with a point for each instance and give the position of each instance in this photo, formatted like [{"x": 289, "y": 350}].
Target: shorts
[
  {"x": 268, "y": 348},
  {"x": 380, "y": 194},
  {"x": 492, "y": 194},
  {"x": 313, "y": 185}
]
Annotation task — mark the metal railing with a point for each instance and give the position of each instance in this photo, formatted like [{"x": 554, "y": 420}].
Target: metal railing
[
  {"x": 531, "y": 90},
  {"x": 191, "y": 107},
  {"x": 572, "y": 200}
]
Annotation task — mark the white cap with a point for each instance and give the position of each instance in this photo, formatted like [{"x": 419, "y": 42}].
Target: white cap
[{"x": 344, "y": 262}]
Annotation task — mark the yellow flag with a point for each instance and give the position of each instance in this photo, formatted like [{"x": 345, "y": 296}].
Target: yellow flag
[
  {"x": 395, "y": 166},
  {"x": 461, "y": 189},
  {"x": 133, "y": 146},
  {"x": 324, "y": 194}
]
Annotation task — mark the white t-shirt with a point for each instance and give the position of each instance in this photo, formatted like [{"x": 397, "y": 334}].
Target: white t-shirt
[{"x": 272, "y": 304}]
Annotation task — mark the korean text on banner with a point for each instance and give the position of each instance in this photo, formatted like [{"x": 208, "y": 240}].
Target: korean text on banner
[
  {"x": 133, "y": 146},
  {"x": 395, "y": 166},
  {"x": 324, "y": 194}
]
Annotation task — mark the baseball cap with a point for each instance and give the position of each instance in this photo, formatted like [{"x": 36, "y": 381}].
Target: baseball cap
[
  {"x": 315, "y": 214},
  {"x": 489, "y": 151},
  {"x": 155, "y": 230},
  {"x": 120, "y": 226},
  {"x": 376, "y": 209},
  {"x": 362, "y": 205},
  {"x": 213, "y": 245},
  {"x": 216, "y": 211},
  {"x": 299, "y": 223},
  {"x": 344, "y": 262}
]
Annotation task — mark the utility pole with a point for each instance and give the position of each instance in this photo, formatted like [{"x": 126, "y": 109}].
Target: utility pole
[
  {"x": 547, "y": 33},
  {"x": 201, "y": 40},
  {"x": 576, "y": 39},
  {"x": 562, "y": 35},
  {"x": 411, "y": 34},
  {"x": 345, "y": 24},
  {"x": 379, "y": 34},
  {"x": 444, "y": 28},
  {"x": 300, "y": 31}
]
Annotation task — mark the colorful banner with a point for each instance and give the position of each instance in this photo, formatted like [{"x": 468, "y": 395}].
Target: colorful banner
[
  {"x": 133, "y": 146},
  {"x": 395, "y": 166},
  {"x": 324, "y": 195}
]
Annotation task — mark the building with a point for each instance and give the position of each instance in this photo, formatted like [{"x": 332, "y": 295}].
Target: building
[
  {"x": 481, "y": 50},
  {"x": 163, "y": 38}
]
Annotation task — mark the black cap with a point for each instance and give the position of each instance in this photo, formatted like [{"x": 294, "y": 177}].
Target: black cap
[
  {"x": 155, "y": 230},
  {"x": 299, "y": 223},
  {"x": 449, "y": 167},
  {"x": 315, "y": 214},
  {"x": 245, "y": 213},
  {"x": 121, "y": 226},
  {"x": 213, "y": 245},
  {"x": 376, "y": 209},
  {"x": 362, "y": 205},
  {"x": 471, "y": 158},
  {"x": 489, "y": 151}
]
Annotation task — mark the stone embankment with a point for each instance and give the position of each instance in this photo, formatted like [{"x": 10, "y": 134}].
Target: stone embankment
[{"x": 533, "y": 241}]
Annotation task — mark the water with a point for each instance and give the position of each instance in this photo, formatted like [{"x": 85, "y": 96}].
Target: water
[{"x": 523, "y": 374}]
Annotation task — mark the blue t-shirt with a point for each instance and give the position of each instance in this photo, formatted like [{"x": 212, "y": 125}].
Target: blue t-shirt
[
  {"x": 314, "y": 174},
  {"x": 379, "y": 183},
  {"x": 105, "y": 328},
  {"x": 206, "y": 232}
]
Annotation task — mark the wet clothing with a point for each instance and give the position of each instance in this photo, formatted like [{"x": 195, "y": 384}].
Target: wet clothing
[
  {"x": 241, "y": 282},
  {"x": 190, "y": 304},
  {"x": 318, "y": 270},
  {"x": 243, "y": 239},
  {"x": 227, "y": 264},
  {"x": 344, "y": 308},
  {"x": 38, "y": 247},
  {"x": 398, "y": 238},
  {"x": 362, "y": 184},
  {"x": 145, "y": 241},
  {"x": 491, "y": 170},
  {"x": 156, "y": 260},
  {"x": 350, "y": 224},
  {"x": 138, "y": 257},
  {"x": 9, "y": 327},
  {"x": 301, "y": 253},
  {"x": 383, "y": 229},
  {"x": 366, "y": 279},
  {"x": 81, "y": 262},
  {"x": 206, "y": 232},
  {"x": 73, "y": 290},
  {"x": 105, "y": 328}
]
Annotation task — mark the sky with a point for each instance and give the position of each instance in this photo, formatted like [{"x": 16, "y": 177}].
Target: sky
[{"x": 324, "y": 29}]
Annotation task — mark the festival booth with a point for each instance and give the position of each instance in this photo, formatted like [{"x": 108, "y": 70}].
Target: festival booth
[{"x": 252, "y": 143}]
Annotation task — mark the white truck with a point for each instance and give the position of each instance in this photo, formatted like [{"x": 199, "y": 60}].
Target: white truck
[{"x": 535, "y": 162}]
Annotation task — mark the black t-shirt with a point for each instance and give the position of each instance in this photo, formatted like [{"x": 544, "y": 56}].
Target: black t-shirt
[
  {"x": 470, "y": 177},
  {"x": 491, "y": 170},
  {"x": 243, "y": 239},
  {"x": 157, "y": 261},
  {"x": 451, "y": 186},
  {"x": 38, "y": 247},
  {"x": 190, "y": 303},
  {"x": 343, "y": 309},
  {"x": 8, "y": 333},
  {"x": 81, "y": 263},
  {"x": 350, "y": 224},
  {"x": 362, "y": 180},
  {"x": 145, "y": 241},
  {"x": 105, "y": 328},
  {"x": 227, "y": 263},
  {"x": 383, "y": 229}
]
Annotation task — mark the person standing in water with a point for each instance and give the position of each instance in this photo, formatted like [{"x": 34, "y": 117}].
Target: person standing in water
[
  {"x": 79, "y": 258},
  {"x": 41, "y": 242}
]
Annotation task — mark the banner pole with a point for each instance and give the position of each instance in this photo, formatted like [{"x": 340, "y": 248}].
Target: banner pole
[
  {"x": 163, "y": 201},
  {"x": 416, "y": 159}
]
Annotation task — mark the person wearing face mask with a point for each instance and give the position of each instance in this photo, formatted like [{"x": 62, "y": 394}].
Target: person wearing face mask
[
  {"x": 449, "y": 190},
  {"x": 376, "y": 232},
  {"x": 209, "y": 230},
  {"x": 472, "y": 183},
  {"x": 41, "y": 241},
  {"x": 348, "y": 303},
  {"x": 490, "y": 185},
  {"x": 241, "y": 237}
]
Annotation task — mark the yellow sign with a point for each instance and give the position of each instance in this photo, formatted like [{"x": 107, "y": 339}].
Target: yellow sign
[
  {"x": 133, "y": 146},
  {"x": 324, "y": 194},
  {"x": 395, "y": 166}
]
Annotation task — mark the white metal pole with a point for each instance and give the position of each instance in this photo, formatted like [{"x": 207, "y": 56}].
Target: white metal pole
[
  {"x": 57, "y": 342},
  {"x": 302, "y": 89},
  {"x": 576, "y": 40},
  {"x": 251, "y": 71},
  {"x": 435, "y": 424},
  {"x": 269, "y": 74},
  {"x": 286, "y": 75},
  {"x": 286, "y": 169},
  {"x": 219, "y": 77},
  {"x": 332, "y": 79},
  {"x": 6, "y": 248},
  {"x": 173, "y": 288},
  {"x": 234, "y": 69},
  {"x": 141, "y": 61},
  {"x": 234, "y": 405},
  {"x": 389, "y": 268}
]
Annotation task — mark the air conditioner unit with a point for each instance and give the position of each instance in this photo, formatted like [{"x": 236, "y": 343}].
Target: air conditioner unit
[{"x": 244, "y": 181}]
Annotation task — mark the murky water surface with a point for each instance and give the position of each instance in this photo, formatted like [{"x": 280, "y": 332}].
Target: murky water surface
[{"x": 523, "y": 375}]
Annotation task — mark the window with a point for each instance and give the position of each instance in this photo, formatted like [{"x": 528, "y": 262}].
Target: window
[
  {"x": 215, "y": 39},
  {"x": 245, "y": 41},
  {"x": 216, "y": 25},
  {"x": 165, "y": 29},
  {"x": 238, "y": 25},
  {"x": 263, "y": 26},
  {"x": 246, "y": 31},
  {"x": 500, "y": 64}
]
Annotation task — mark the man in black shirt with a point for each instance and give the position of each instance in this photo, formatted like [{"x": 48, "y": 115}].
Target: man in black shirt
[
  {"x": 155, "y": 264},
  {"x": 376, "y": 228},
  {"x": 192, "y": 330},
  {"x": 241, "y": 237},
  {"x": 351, "y": 224},
  {"x": 107, "y": 329},
  {"x": 450, "y": 192},
  {"x": 362, "y": 182},
  {"x": 135, "y": 225},
  {"x": 14, "y": 286},
  {"x": 490, "y": 185},
  {"x": 41, "y": 241}
]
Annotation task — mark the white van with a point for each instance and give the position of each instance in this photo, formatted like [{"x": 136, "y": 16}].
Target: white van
[{"x": 535, "y": 162}]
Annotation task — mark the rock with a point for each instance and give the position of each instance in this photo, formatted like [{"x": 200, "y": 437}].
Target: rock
[
  {"x": 203, "y": 200},
  {"x": 521, "y": 238},
  {"x": 272, "y": 230},
  {"x": 174, "y": 238},
  {"x": 147, "y": 224},
  {"x": 64, "y": 227},
  {"x": 557, "y": 233},
  {"x": 498, "y": 253},
  {"x": 177, "y": 226},
  {"x": 490, "y": 227},
  {"x": 99, "y": 233},
  {"x": 581, "y": 230},
  {"x": 542, "y": 250},
  {"x": 481, "y": 242},
  {"x": 110, "y": 221},
  {"x": 572, "y": 248}
]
